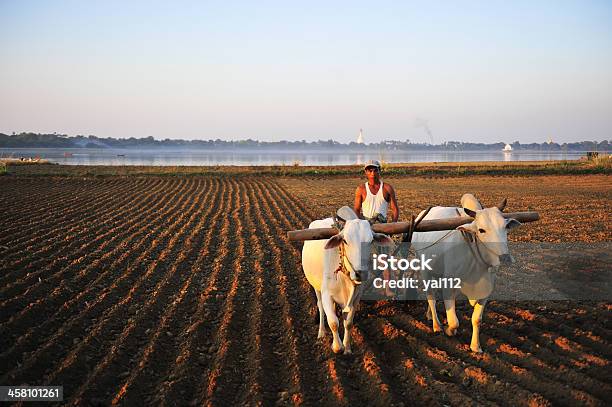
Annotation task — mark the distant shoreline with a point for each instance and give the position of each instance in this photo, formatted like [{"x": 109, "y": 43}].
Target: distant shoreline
[{"x": 64, "y": 141}]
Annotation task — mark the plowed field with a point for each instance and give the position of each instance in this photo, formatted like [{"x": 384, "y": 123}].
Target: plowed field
[{"x": 185, "y": 290}]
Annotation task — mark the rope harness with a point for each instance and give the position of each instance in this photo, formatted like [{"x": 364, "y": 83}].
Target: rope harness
[
  {"x": 342, "y": 266},
  {"x": 469, "y": 238},
  {"x": 483, "y": 244},
  {"x": 436, "y": 242},
  {"x": 377, "y": 218},
  {"x": 339, "y": 224}
]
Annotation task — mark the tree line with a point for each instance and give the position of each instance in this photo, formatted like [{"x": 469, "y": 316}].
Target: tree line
[{"x": 37, "y": 140}]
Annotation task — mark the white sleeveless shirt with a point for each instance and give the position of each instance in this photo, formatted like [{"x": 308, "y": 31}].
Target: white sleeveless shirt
[{"x": 374, "y": 204}]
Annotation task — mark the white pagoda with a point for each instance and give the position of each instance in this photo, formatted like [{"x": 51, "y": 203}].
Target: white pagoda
[{"x": 360, "y": 138}]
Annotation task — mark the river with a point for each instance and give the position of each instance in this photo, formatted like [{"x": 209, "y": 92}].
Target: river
[{"x": 94, "y": 156}]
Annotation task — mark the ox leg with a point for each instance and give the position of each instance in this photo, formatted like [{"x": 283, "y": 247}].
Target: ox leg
[
  {"x": 348, "y": 324},
  {"x": 332, "y": 321},
  {"x": 451, "y": 315},
  {"x": 321, "y": 315},
  {"x": 431, "y": 300},
  {"x": 476, "y": 318}
]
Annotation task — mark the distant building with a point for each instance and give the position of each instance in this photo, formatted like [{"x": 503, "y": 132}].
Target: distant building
[
  {"x": 360, "y": 138},
  {"x": 507, "y": 148},
  {"x": 550, "y": 140}
]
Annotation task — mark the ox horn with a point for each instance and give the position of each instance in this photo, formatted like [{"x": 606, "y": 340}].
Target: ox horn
[{"x": 502, "y": 205}]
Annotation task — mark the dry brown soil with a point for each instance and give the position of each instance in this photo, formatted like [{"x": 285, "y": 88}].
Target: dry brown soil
[{"x": 185, "y": 290}]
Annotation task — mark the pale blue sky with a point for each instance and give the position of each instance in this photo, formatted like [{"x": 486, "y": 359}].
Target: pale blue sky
[{"x": 475, "y": 71}]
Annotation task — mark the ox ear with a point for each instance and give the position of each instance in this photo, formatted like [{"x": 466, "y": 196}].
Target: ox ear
[
  {"x": 469, "y": 212},
  {"x": 468, "y": 227},
  {"x": 512, "y": 223},
  {"x": 334, "y": 241},
  {"x": 383, "y": 240}
]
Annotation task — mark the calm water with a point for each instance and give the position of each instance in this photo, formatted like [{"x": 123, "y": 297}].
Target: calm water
[{"x": 199, "y": 157}]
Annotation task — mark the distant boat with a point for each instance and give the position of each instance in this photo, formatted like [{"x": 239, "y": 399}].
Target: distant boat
[
  {"x": 507, "y": 148},
  {"x": 120, "y": 155}
]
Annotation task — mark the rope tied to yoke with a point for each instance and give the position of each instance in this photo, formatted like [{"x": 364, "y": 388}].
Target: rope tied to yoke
[
  {"x": 338, "y": 222},
  {"x": 471, "y": 237},
  {"x": 476, "y": 252},
  {"x": 377, "y": 218},
  {"x": 414, "y": 223},
  {"x": 342, "y": 266}
]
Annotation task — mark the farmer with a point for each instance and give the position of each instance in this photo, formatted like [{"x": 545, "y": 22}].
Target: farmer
[
  {"x": 374, "y": 197},
  {"x": 372, "y": 200}
]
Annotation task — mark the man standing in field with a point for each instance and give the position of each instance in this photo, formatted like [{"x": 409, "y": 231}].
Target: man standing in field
[{"x": 373, "y": 199}]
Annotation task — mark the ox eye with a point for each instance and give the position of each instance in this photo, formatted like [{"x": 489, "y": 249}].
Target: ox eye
[
  {"x": 482, "y": 231},
  {"x": 344, "y": 241}
]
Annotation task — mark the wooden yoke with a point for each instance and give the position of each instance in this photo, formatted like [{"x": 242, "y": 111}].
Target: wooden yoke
[{"x": 403, "y": 227}]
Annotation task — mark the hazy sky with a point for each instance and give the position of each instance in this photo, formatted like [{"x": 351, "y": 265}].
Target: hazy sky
[{"x": 476, "y": 71}]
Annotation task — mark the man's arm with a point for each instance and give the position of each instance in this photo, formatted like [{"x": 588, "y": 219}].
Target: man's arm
[
  {"x": 393, "y": 204},
  {"x": 358, "y": 202}
]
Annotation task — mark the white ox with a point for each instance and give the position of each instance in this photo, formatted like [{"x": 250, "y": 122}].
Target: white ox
[
  {"x": 469, "y": 252},
  {"x": 321, "y": 260}
]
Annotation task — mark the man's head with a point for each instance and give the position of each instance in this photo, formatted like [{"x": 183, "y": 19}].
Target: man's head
[{"x": 372, "y": 170}]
